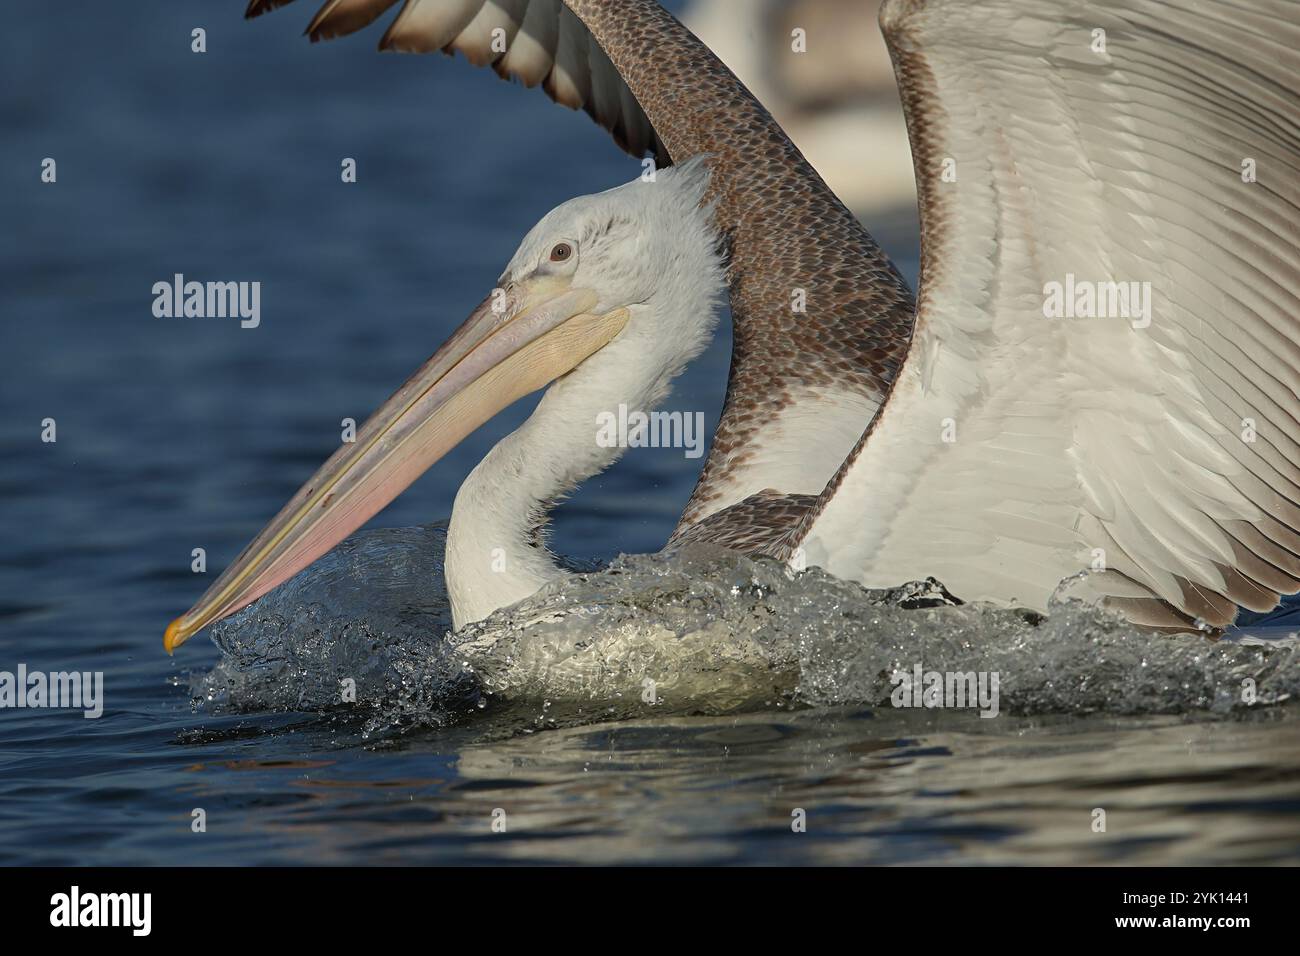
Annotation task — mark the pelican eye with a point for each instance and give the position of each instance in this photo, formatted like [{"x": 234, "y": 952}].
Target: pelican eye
[{"x": 561, "y": 252}]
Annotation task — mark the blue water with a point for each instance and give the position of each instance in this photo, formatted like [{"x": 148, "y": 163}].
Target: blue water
[{"x": 180, "y": 433}]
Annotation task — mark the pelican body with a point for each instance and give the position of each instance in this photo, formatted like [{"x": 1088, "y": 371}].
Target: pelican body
[{"x": 974, "y": 436}]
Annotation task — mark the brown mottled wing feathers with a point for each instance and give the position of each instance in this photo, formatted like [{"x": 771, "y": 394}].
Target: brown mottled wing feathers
[{"x": 751, "y": 526}]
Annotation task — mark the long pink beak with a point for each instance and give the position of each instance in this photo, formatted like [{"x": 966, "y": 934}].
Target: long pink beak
[{"x": 493, "y": 359}]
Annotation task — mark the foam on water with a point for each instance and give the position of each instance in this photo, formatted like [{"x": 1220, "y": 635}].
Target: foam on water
[{"x": 702, "y": 630}]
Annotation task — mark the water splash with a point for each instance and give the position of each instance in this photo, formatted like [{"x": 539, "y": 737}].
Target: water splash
[
  {"x": 361, "y": 629},
  {"x": 701, "y": 630}
]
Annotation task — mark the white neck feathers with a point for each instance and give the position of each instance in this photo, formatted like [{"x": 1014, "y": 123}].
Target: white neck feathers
[{"x": 496, "y": 553}]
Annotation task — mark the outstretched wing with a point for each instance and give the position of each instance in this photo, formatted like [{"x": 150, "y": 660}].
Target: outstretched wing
[
  {"x": 537, "y": 42},
  {"x": 1105, "y": 373}
]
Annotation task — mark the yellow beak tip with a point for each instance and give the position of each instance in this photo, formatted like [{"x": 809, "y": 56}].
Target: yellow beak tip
[{"x": 172, "y": 638}]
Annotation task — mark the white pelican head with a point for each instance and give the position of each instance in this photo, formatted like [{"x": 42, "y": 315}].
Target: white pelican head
[{"x": 611, "y": 294}]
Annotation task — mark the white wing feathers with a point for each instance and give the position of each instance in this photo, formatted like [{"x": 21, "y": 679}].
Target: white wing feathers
[
  {"x": 1067, "y": 146},
  {"x": 538, "y": 42}
]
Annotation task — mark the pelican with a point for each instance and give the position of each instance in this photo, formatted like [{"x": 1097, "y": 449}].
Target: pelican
[{"x": 1139, "y": 159}]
